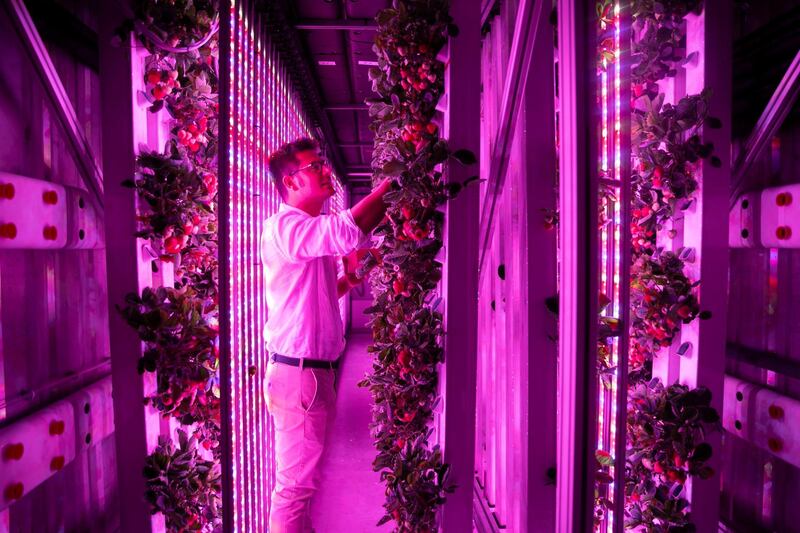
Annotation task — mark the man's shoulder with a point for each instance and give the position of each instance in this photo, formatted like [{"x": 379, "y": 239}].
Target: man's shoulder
[{"x": 280, "y": 215}]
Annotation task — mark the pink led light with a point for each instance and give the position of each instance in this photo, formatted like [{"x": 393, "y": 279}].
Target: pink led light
[
  {"x": 263, "y": 116},
  {"x": 610, "y": 244}
]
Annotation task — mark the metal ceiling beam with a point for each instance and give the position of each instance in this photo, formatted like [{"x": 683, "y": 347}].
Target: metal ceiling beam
[
  {"x": 347, "y": 107},
  {"x": 349, "y": 24},
  {"x": 57, "y": 94},
  {"x": 768, "y": 124},
  {"x": 292, "y": 49},
  {"x": 355, "y": 145},
  {"x": 350, "y": 64}
]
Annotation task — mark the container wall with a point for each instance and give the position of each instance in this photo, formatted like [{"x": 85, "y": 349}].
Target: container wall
[{"x": 52, "y": 301}]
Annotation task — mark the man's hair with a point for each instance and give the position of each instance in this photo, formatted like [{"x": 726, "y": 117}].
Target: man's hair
[{"x": 284, "y": 160}]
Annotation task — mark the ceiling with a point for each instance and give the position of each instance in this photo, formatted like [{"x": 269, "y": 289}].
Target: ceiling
[
  {"x": 335, "y": 38},
  {"x": 761, "y": 57}
]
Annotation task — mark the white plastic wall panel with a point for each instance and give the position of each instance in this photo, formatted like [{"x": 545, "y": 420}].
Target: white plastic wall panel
[
  {"x": 763, "y": 417},
  {"x": 34, "y": 449},
  {"x": 780, "y": 216},
  {"x": 93, "y": 415},
  {"x": 744, "y": 222},
  {"x": 38, "y": 214}
]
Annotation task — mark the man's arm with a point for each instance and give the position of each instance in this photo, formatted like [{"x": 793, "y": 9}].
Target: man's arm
[
  {"x": 369, "y": 212},
  {"x": 342, "y": 286},
  {"x": 351, "y": 262}
]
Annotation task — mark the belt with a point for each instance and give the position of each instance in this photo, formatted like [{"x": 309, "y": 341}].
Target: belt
[{"x": 307, "y": 363}]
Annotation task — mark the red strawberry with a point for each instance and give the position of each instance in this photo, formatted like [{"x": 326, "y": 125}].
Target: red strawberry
[
  {"x": 172, "y": 245},
  {"x": 603, "y": 300},
  {"x": 678, "y": 460},
  {"x": 153, "y": 77},
  {"x": 404, "y": 357},
  {"x": 409, "y": 416},
  {"x": 159, "y": 92},
  {"x": 398, "y": 287}
]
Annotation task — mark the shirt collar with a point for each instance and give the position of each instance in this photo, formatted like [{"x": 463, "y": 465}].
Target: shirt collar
[{"x": 287, "y": 207}]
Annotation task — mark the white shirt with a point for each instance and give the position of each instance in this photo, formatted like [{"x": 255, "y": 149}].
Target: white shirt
[{"x": 299, "y": 253}]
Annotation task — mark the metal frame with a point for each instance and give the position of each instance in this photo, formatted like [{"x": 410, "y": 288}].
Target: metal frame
[
  {"x": 763, "y": 359},
  {"x": 343, "y": 24},
  {"x": 355, "y": 106},
  {"x": 59, "y": 99},
  {"x": 776, "y": 111},
  {"x": 540, "y": 171},
  {"x": 623, "y": 344},
  {"x": 223, "y": 250},
  {"x": 578, "y": 181},
  {"x": 57, "y": 25},
  {"x": 355, "y": 145},
  {"x": 460, "y": 276},
  {"x": 529, "y": 15},
  {"x": 25, "y": 403}
]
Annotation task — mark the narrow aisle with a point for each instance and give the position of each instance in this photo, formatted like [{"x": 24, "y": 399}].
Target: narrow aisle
[{"x": 350, "y": 498}]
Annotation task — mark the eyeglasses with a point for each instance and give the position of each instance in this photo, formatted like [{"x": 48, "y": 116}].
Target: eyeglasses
[{"x": 316, "y": 166}]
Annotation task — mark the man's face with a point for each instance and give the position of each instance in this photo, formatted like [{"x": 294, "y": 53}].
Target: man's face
[{"x": 312, "y": 179}]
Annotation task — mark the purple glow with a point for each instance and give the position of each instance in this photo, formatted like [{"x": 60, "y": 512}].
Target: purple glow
[{"x": 264, "y": 116}]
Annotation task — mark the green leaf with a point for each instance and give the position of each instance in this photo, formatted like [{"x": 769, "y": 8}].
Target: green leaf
[
  {"x": 465, "y": 157},
  {"x": 604, "y": 458},
  {"x": 393, "y": 168}
]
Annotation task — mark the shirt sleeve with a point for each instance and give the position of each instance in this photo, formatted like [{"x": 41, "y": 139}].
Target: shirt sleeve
[{"x": 301, "y": 238}]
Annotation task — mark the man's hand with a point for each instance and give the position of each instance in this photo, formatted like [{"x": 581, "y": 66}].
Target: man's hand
[
  {"x": 384, "y": 185},
  {"x": 353, "y": 261},
  {"x": 369, "y": 211}
]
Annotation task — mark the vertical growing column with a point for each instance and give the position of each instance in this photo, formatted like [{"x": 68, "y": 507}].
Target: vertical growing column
[
  {"x": 460, "y": 280},
  {"x": 124, "y": 272},
  {"x": 680, "y": 78}
]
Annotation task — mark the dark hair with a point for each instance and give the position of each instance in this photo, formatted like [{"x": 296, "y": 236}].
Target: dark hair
[{"x": 284, "y": 160}]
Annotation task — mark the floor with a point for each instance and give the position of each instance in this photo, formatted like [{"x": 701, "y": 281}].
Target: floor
[{"x": 350, "y": 498}]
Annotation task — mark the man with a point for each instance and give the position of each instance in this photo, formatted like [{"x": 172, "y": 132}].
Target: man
[{"x": 303, "y": 332}]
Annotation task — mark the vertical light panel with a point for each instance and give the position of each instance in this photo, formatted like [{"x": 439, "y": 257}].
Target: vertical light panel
[
  {"x": 578, "y": 260},
  {"x": 613, "y": 258},
  {"x": 263, "y": 115}
]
